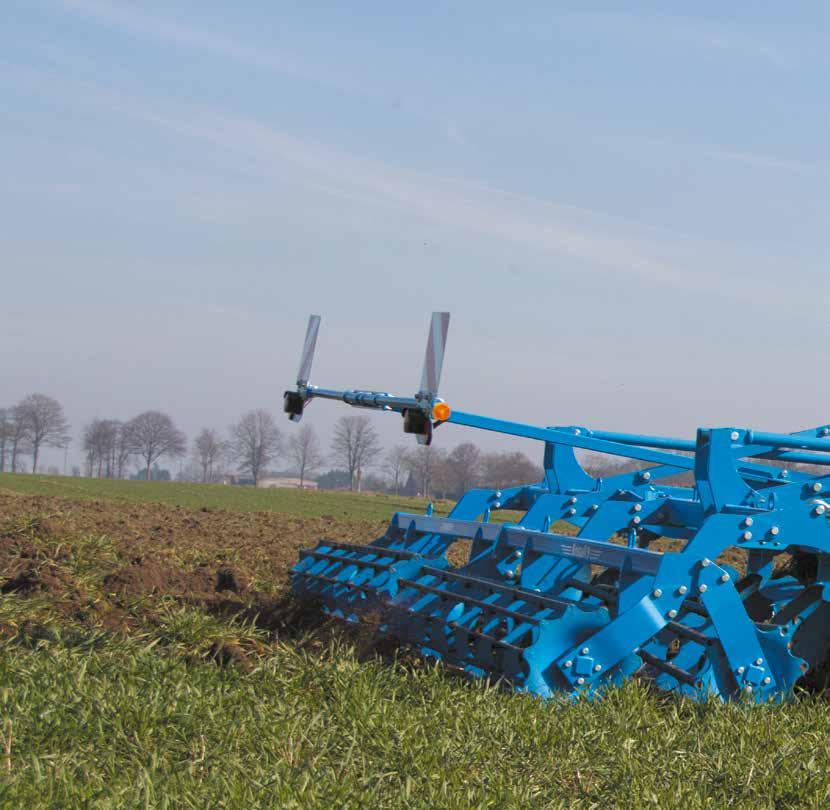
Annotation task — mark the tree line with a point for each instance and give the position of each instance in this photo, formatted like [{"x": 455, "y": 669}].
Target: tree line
[{"x": 252, "y": 446}]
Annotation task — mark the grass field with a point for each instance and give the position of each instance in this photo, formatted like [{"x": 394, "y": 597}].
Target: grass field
[
  {"x": 342, "y": 505},
  {"x": 130, "y": 678}
]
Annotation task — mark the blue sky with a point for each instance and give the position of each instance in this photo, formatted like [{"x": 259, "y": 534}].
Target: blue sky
[{"x": 625, "y": 208}]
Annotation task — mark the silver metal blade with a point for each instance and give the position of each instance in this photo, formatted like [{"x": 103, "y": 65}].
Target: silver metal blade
[
  {"x": 434, "y": 359},
  {"x": 304, "y": 373}
]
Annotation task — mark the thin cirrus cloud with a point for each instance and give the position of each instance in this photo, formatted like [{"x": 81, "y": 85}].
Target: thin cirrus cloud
[
  {"x": 133, "y": 20},
  {"x": 601, "y": 243}
]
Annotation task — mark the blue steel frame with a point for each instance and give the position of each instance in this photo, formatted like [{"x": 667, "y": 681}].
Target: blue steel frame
[{"x": 555, "y": 612}]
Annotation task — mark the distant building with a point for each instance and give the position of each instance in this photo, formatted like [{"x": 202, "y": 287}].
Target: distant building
[
  {"x": 238, "y": 480},
  {"x": 285, "y": 483}
]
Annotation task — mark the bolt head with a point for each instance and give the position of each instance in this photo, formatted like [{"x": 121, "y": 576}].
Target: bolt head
[
  {"x": 672, "y": 613},
  {"x": 821, "y": 509},
  {"x": 580, "y": 681},
  {"x": 735, "y": 435},
  {"x": 724, "y": 578},
  {"x": 748, "y": 521},
  {"x": 740, "y": 670},
  {"x": 702, "y": 588},
  {"x": 657, "y": 593},
  {"x": 597, "y": 667},
  {"x": 571, "y": 500},
  {"x": 825, "y": 431},
  {"x": 568, "y": 664},
  {"x": 748, "y": 687},
  {"x": 747, "y": 535},
  {"x": 817, "y": 487},
  {"x": 705, "y": 562},
  {"x": 775, "y": 531},
  {"x": 585, "y": 651},
  {"x": 759, "y": 661},
  {"x": 785, "y": 473},
  {"x": 682, "y": 589},
  {"x": 638, "y": 507},
  {"x": 571, "y": 512},
  {"x": 646, "y": 476},
  {"x": 768, "y": 679}
]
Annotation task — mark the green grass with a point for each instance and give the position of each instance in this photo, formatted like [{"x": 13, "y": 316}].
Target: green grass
[
  {"x": 188, "y": 708},
  {"x": 341, "y": 505},
  {"x": 119, "y": 723}
]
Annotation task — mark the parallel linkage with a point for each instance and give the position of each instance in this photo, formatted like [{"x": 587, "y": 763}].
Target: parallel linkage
[{"x": 707, "y": 571}]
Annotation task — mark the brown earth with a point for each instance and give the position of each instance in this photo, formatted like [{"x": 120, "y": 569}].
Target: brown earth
[{"x": 109, "y": 563}]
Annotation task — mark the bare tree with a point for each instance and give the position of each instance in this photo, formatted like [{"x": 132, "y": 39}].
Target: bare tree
[
  {"x": 208, "y": 450},
  {"x": 256, "y": 442},
  {"x": 509, "y": 469},
  {"x": 395, "y": 465},
  {"x": 424, "y": 463},
  {"x": 463, "y": 467},
  {"x": 19, "y": 438},
  {"x": 304, "y": 448},
  {"x": 355, "y": 446},
  {"x": 5, "y": 435},
  {"x": 45, "y": 423},
  {"x": 151, "y": 435}
]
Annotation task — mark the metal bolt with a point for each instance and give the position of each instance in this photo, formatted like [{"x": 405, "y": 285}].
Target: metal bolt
[
  {"x": 580, "y": 681},
  {"x": 820, "y": 509},
  {"x": 748, "y": 521},
  {"x": 759, "y": 661},
  {"x": 672, "y": 613},
  {"x": 783, "y": 631},
  {"x": 747, "y": 535},
  {"x": 638, "y": 507},
  {"x": 636, "y": 519},
  {"x": 585, "y": 651},
  {"x": 724, "y": 578},
  {"x": 768, "y": 679},
  {"x": 497, "y": 505},
  {"x": 740, "y": 670},
  {"x": 594, "y": 507},
  {"x": 705, "y": 562},
  {"x": 774, "y": 531},
  {"x": 571, "y": 512},
  {"x": 817, "y": 487},
  {"x": 498, "y": 493},
  {"x": 597, "y": 667},
  {"x": 825, "y": 431},
  {"x": 657, "y": 593},
  {"x": 785, "y": 473},
  {"x": 568, "y": 664},
  {"x": 735, "y": 435},
  {"x": 682, "y": 589},
  {"x": 748, "y": 687},
  {"x": 702, "y": 588},
  {"x": 571, "y": 500},
  {"x": 646, "y": 476}
]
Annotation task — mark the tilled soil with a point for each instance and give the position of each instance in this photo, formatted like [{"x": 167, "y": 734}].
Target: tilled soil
[{"x": 107, "y": 563}]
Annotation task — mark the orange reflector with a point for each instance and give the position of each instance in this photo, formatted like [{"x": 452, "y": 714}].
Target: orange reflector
[{"x": 441, "y": 411}]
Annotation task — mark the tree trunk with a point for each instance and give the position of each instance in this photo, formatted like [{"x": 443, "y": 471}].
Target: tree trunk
[{"x": 35, "y": 450}]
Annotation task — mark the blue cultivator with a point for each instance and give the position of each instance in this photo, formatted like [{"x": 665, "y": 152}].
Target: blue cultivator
[{"x": 718, "y": 586}]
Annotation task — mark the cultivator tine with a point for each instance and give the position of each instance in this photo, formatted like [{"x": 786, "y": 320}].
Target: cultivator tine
[{"x": 716, "y": 586}]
